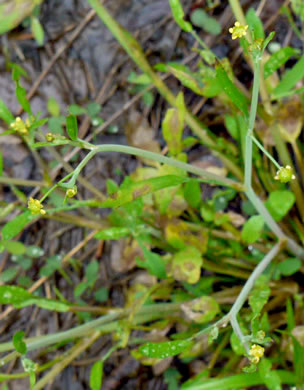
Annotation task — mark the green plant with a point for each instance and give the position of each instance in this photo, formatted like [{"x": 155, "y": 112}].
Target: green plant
[{"x": 191, "y": 233}]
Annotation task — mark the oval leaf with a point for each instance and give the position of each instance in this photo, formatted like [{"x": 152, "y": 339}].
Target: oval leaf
[
  {"x": 165, "y": 349},
  {"x": 72, "y": 127}
]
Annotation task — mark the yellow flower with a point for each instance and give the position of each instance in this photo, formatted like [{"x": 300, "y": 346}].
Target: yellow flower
[
  {"x": 238, "y": 30},
  {"x": 20, "y": 126},
  {"x": 256, "y": 351},
  {"x": 35, "y": 206},
  {"x": 284, "y": 174}
]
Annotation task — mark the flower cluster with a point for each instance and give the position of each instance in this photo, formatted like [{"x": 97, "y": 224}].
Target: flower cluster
[
  {"x": 20, "y": 126},
  {"x": 238, "y": 30},
  {"x": 256, "y": 352},
  {"x": 35, "y": 206},
  {"x": 284, "y": 174}
]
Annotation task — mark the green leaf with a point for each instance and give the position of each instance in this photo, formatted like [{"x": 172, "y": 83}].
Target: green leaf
[
  {"x": 9, "y": 274},
  {"x": 53, "y": 264},
  {"x": 19, "y": 297},
  {"x": 14, "y": 247},
  {"x": 74, "y": 109},
  {"x": 17, "y": 225},
  {"x": 53, "y": 107},
  {"x": 92, "y": 272},
  {"x": 200, "y": 18},
  {"x": 93, "y": 109},
  {"x": 165, "y": 349},
  {"x": 290, "y": 78},
  {"x": 11, "y": 295},
  {"x": 102, "y": 294},
  {"x": 279, "y": 203},
  {"x": 114, "y": 233},
  {"x": 18, "y": 342},
  {"x": 232, "y": 126},
  {"x": 5, "y": 113},
  {"x": 72, "y": 127},
  {"x": 22, "y": 99},
  {"x": 259, "y": 295},
  {"x": 255, "y": 24},
  {"x": 154, "y": 263},
  {"x": 178, "y": 14},
  {"x": 171, "y": 378},
  {"x": 136, "y": 190},
  {"x": 231, "y": 90},
  {"x": 298, "y": 361},
  {"x": 173, "y": 125},
  {"x": 186, "y": 265},
  {"x": 37, "y": 30},
  {"x": 192, "y": 193},
  {"x": 270, "y": 377},
  {"x": 96, "y": 375},
  {"x": 252, "y": 229},
  {"x": 187, "y": 78},
  {"x": 34, "y": 251},
  {"x": 277, "y": 60},
  {"x": 289, "y": 266}
]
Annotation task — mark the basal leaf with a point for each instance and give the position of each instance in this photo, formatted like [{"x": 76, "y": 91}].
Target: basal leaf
[
  {"x": 136, "y": 190},
  {"x": 279, "y": 203},
  {"x": 253, "y": 229}
]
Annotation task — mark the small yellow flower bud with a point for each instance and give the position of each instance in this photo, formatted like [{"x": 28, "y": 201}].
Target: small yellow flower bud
[
  {"x": 50, "y": 137},
  {"x": 19, "y": 126},
  {"x": 238, "y": 30},
  {"x": 256, "y": 352},
  {"x": 35, "y": 206},
  {"x": 71, "y": 192},
  {"x": 284, "y": 174}
]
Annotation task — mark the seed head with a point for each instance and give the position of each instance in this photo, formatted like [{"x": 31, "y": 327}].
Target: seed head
[{"x": 284, "y": 174}]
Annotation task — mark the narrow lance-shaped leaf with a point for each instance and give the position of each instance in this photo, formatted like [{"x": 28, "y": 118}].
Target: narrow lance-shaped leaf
[
  {"x": 255, "y": 24},
  {"x": 5, "y": 113},
  {"x": 277, "y": 60},
  {"x": 290, "y": 78},
  {"x": 165, "y": 349},
  {"x": 231, "y": 90},
  {"x": 178, "y": 14}
]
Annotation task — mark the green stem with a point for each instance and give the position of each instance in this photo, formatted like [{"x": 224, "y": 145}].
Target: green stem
[
  {"x": 252, "y": 116},
  {"x": 210, "y": 177},
  {"x": 261, "y": 147}
]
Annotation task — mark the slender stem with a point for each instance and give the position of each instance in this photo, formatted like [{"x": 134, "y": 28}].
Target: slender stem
[
  {"x": 252, "y": 116},
  {"x": 241, "y": 299},
  {"x": 211, "y": 177},
  {"x": 261, "y": 147},
  {"x": 238, "y": 331}
]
